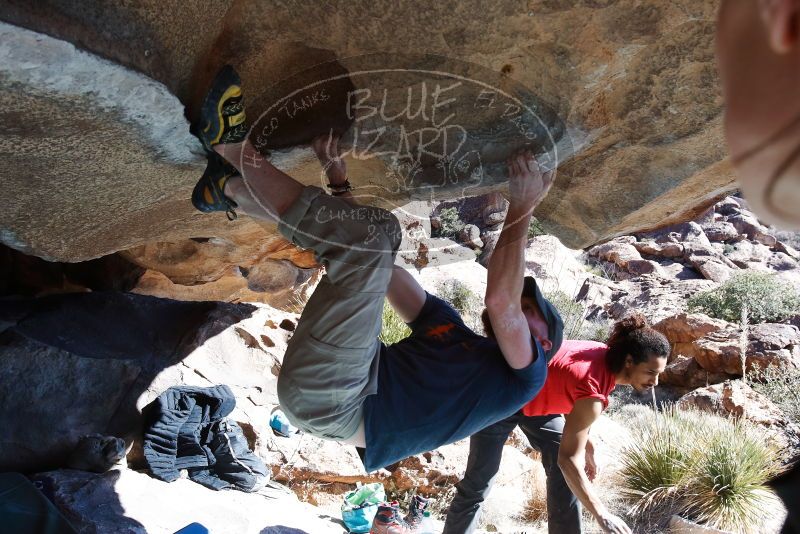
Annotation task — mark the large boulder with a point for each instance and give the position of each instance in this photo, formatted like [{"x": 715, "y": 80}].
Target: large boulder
[
  {"x": 110, "y": 83},
  {"x": 555, "y": 267},
  {"x": 101, "y": 357},
  {"x": 624, "y": 257},
  {"x": 683, "y": 330},
  {"x": 685, "y": 373},
  {"x": 51, "y": 398},
  {"x": 768, "y": 344},
  {"x": 656, "y": 297},
  {"x": 721, "y": 231}
]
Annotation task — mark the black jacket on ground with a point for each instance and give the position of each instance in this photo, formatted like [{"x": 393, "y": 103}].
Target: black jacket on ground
[{"x": 188, "y": 430}]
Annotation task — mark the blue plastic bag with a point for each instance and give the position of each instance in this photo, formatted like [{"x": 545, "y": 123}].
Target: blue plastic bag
[
  {"x": 281, "y": 425},
  {"x": 360, "y": 506}
]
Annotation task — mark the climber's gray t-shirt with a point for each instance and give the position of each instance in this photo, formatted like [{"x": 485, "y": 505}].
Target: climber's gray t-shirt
[{"x": 441, "y": 384}]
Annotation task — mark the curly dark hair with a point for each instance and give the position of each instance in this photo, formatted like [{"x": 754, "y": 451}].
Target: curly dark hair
[{"x": 633, "y": 336}]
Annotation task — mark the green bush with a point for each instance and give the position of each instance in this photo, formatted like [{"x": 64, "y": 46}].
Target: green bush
[
  {"x": 460, "y": 296},
  {"x": 726, "y": 485},
  {"x": 536, "y": 228},
  {"x": 450, "y": 223},
  {"x": 464, "y": 300},
  {"x": 781, "y": 386},
  {"x": 699, "y": 465},
  {"x": 576, "y": 326},
  {"x": 600, "y": 268},
  {"x": 767, "y": 299},
  {"x": 659, "y": 457},
  {"x": 393, "y": 328}
]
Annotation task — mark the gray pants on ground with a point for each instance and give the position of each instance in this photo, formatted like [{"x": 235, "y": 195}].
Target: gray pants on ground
[
  {"x": 485, "y": 453},
  {"x": 331, "y": 362}
]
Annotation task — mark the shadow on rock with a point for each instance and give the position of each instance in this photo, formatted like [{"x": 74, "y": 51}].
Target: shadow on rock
[{"x": 77, "y": 364}]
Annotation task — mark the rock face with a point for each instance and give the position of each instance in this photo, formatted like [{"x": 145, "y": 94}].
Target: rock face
[
  {"x": 683, "y": 330},
  {"x": 707, "y": 351},
  {"x": 87, "y": 363},
  {"x": 768, "y": 344},
  {"x": 68, "y": 397},
  {"x": 246, "y": 266},
  {"x": 623, "y": 96}
]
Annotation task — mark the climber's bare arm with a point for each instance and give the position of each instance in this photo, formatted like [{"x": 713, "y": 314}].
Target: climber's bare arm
[
  {"x": 405, "y": 294},
  {"x": 528, "y": 185}
]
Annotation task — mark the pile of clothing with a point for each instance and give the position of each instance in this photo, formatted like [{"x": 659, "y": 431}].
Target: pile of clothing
[{"x": 188, "y": 429}]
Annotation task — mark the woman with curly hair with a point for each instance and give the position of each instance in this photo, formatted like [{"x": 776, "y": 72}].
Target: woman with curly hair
[{"x": 580, "y": 377}]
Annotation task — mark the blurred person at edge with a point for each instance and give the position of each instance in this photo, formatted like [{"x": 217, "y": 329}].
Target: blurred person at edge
[
  {"x": 759, "y": 64},
  {"x": 758, "y": 51}
]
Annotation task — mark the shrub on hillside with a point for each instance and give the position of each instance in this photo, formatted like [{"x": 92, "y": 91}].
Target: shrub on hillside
[
  {"x": 464, "y": 300},
  {"x": 576, "y": 326},
  {"x": 726, "y": 485},
  {"x": 393, "y": 328},
  {"x": 460, "y": 296},
  {"x": 699, "y": 465},
  {"x": 788, "y": 237},
  {"x": 781, "y": 386},
  {"x": 767, "y": 299},
  {"x": 450, "y": 223}
]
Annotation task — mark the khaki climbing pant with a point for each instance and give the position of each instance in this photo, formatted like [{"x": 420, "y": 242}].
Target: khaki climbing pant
[{"x": 331, "y": 362}]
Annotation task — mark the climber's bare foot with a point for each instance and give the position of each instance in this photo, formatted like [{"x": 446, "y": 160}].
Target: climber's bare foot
[{"x": 326, "y": 147}]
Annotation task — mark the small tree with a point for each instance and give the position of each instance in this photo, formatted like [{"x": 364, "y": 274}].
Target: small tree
[
  {"x": 766, "y": 298},
  {"x": 450, "y": 222}
]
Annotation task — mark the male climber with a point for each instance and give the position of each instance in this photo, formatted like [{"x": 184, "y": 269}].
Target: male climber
[{"x": 338, "y": 381}]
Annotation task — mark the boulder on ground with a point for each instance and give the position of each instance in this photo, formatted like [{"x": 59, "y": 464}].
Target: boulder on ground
[
  {"x": 554, "y": 266},
  {"x": 470, "y": 236},
  {"x": 100, "y": 357},
  {"x": 685, "y": 373},
  {"x": 748, "y": 224},
  {"x": 684, "y": 329},
  {"x": 768, "y": 344},
  {"x": 721, "y": 232}
]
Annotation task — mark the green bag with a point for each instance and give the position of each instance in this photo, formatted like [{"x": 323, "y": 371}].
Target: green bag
[{"x": 360, "y": 506}]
